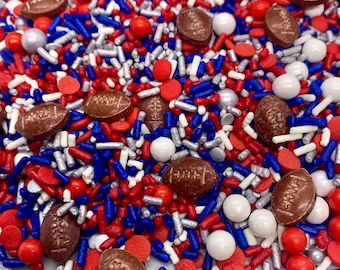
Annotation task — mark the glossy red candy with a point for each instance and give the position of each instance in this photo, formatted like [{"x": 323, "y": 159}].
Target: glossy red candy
[
  {"x": 334, "y": 201},
  {"x": 31, "y": 251},
  {"x": 334, "y": 228},
  {"x": 294, "y": 241},
  {"x": 77, "y": 187},
  {"x": 141, "y": 27},
  {"x": 300, "y": 262},
  {"x": 165, "y": 193},
  {"x": 43, "y": 23},
  {"x": 258, "y": 9},
  {"x": 13, "y": 42},
  {"x": 162, "y": 70}
]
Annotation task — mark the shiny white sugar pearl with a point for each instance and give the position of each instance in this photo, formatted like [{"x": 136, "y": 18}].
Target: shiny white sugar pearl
[
  {"x": 262, "y": 222},
  {"x": 286, "y": 86},
  {"x": 298, "y": 69},
  {"x": 162, "y": 149},
  {"x": 227, "y": 98},
  {"x": 32, "y": 39},
  {"x": 224, "y": 23},
  {"x": 315, "y": 50},
  {"x": 221, "y": 245},
  {"x": 236, "y": 208},
  {"x": 331, "y": 87},
  {"x": 314, "y": 11},
  {"x": 322, "y": 184},
  {"x": 320, "y": 212}
]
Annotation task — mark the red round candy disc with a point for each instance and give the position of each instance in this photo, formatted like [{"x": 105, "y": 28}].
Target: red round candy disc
[
  {"x": 238, "y": 258},
  {"x": 46, "y": 175},
  {"x": 141, "y": 27},
  {"x": 334, "y": 127},
  {"x": 334, "y": 201},
  {"x": 288, "y": 160},
  {"x": 294, "y": 241},
  {"x": 244, "y": 50},
  {"x": 333, "y": 252},
  {"x": 264, "y": 185},
  {"x": 68, "y": 85},
  {"x": 13, "y": 42},
  {"x": 162, "y": 70},
  {"x": 10, "y": 237},
  {"x": 10, "y": 217},
  {"x": 139, "y": 246},
  {"x": 300, "y": 262},
  {"x": 170, "y": 90},
  {"x": 320, "y": 23},
  {"x": 30, "y": 251},
  {"x": 334, "y": 228}
]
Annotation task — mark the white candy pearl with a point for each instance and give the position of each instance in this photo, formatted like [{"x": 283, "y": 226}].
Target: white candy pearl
[
  {"x": 322, "y": 184},
  {"x": 32, "y": 39},
  {"x": 221, "y": 245},
  {"x": 315, "y": 50},
  {"x": 262, "y": 222},
  {"x": 297, "y": 68},
  {"x": 162, "y": 149},
  {"x": 236, "y": 208},
  {"x": 286, "y": 86},
  {"x": 320, "y": 212},
  {"x": 227, "y": 98},
  {"x": 331, "y": 87},
  {"x": 224, "y": 23},
  {"x": 314, "y": 11}
]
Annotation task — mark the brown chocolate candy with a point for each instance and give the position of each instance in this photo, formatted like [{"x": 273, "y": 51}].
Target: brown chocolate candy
[
  {"x": 281, "y": 26},
  {"x": 107, "y": 105},
  {"x": 293, "y": 197},
  {"x": 59, "y": 235},
  {"x": 194, "y": 26},
  {"x": 271, "y": 118},
  {"x": 42, "y": 121},
  {"x": 34, "y": 9},
  {"x": 155, "y": 108},
  {"x": 308, "y": 3},
  {"x": 190, "y": 177},
  {"x": 120, "y": 260}
]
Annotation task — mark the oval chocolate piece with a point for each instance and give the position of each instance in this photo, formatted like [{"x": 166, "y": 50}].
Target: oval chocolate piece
[
  {"x": 194, "y": 26},
  {"x": 271, "y": 118},
  {"x": 191, "y": 177},
  {"x": 155, "y": 108},
  {"x": 107, "y": 105},
  {"x": 293, "y": 197},
  {"x": 308, "y": 3},
  {"x": 120, "y": 260},
  {"x": 281, "y": 26},
  {"x": 34, "y": 9},
  {"x": 59, "y": 235},
  {"x": 42, "y": 121}
]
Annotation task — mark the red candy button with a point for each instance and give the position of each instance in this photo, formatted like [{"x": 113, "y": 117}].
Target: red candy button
[
  {"x": 9, "y": 217},
  {"x": 333, "y": 252},
  {"x": 139, "y": 246},
  {"x": 46, "y": 175},
  {"x": 186, "y": 264},
  {"x": 288, "y": 160},
  {"x": 264, "y": 185},
  {"x": 300, "y": 262},
  {"x": 31, "y": 251},
  {"x": 334, "y": 127},
  {"x": 170, "y": 90},
  {"x": 141, "y": 27},
  {"x": 320, "y": 23},
  {"x": 165, "y": 193},
  {"x": 238, "y": 258},
  {"x": 162, "y": 70},
  {"x": 244, "y": 50},
  {"x": 294, "y": 241},
  {"x": 13, "y": 42},
  {"x": 258, "y": 9},
  {"x": 68, "y": 85},
  {"x": 43, "y": 23},
  {"x": 10, "y": 237},
  {"x": 333, "y": 201},
  {"x": 334, "y": 228},
  {"x": 77, "y": 187}
]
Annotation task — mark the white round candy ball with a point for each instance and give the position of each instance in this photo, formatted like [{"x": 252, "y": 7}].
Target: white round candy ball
[
  {"x": 297, "y": 69},
  {"x": 314, "y": 11},
  {"x": 322, "y": 184},
  {"x": 221, "y": 245},
  {"x": 286, "y": 86},
  {"x": 162, "y": 149},
  {"x": 331, "y": 87},
  {"x": 315, "y": 50},
  {"x": 227, "y": 98},
  {"x": 320, "y": 212},
  {"x": 32, "y": 39},
  {"x": 236, "y": 208},
  {"x": 262, "y": 222},
  {"x": 224, "y": 23}
]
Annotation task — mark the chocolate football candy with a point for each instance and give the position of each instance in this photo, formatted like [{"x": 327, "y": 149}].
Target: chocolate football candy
[
  {"x": 293, "y": 197},
  {"x": 119, "y": 259},
  {"x": 281, "y": 26},
  {"x": 59, "y": 235},
  {"x": 155, "y": 108},
  {"x": 191, "y": 177},
  {"x": 34, "y": 9},
  {"x": 271, "y": 118},
  {"x": 194, "y": 26},
  {"x": 42, "y": 121}
]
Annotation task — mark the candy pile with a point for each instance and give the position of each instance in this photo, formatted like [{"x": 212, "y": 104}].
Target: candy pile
[{"x": 162, "y": 135}]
